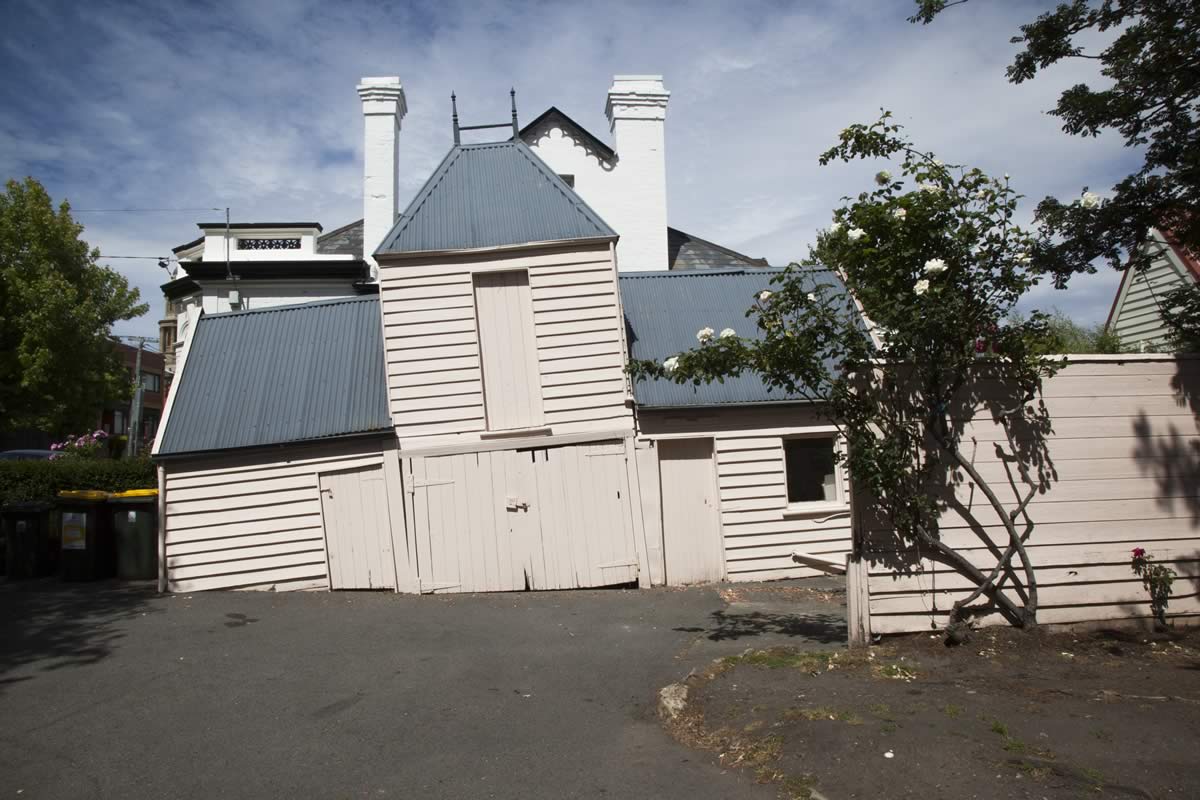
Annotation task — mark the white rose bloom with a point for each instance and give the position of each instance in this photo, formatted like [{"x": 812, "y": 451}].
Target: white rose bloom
[
  {"x": 764, "y": 296},
  {"x": 932, "y": 188},
  {"x": 1090, "y": 200},
  {"x": 856, "y": 234},
  {"x": 671, "y": 364},
  {"x": 899, "y": 213},
  {"x": 981, "y": 194},
  {"x": 1024, "y": 258},
  {"x": 812, "y": 298},
  {"x": 727, "y": 333},
  {"x": 935, "y": 265},
  {"x": 704, "y": 334},
  {"x": 921, "y": 287},
  {"x": 835, "y": 227},
  {"x": 883, "y": 177},
  {"x": 937, "y": 162}
]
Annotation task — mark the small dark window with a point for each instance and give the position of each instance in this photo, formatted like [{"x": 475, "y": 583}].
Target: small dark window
[
  {"x": 811, "y": 474},
  {"x": 569, "y": 180}
]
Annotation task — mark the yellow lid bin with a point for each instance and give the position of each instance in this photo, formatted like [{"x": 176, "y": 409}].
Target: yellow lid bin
[
  {"x": 134, "y": 493},
  {"x": 83, "y": 494}
]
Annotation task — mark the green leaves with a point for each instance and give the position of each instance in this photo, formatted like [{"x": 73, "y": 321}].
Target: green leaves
[
  {"x": 57, "y": 307},
  {"x": 41, "y": 481}
]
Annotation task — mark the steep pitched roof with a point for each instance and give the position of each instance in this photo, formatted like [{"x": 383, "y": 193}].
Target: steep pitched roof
[
  {"x": 278, "y": 375},
  {"x": 685, "y": 251},
  {"x": 551, "y": 117},
  {"x": 664, "y": 310},
  {"x": 492, "y": 195}
]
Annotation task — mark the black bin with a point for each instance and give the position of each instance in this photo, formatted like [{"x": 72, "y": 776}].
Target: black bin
[
  {"x": 135, "y": 527},
  {"x": 29, "y": 547},
  {"x": 89, "y": 551}
]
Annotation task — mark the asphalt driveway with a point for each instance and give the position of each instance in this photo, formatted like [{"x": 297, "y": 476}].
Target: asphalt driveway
[{"x": 117, "y": 692}]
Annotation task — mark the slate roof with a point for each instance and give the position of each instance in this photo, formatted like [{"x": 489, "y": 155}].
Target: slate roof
[
  {"x": 663, "y": 311},
  {"x": 492, "y": 195},
  {"x": 345, "y": 241},
  {"x": 685, "y": 251},
  {"x": 284, "y": 374}
]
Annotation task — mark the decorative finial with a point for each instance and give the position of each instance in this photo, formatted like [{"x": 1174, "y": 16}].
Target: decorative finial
[
  {"x": 454, "y": 115},
  {"x": 512, "y": 95}
]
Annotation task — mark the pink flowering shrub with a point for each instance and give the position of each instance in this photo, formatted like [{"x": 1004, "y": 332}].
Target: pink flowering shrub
[
  {"x": 1157, "y": 580},
  {"x": 88, "y": 445}
]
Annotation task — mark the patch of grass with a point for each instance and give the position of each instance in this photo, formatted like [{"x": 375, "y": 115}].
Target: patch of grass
[
  {"x": 821, "y": 713},
  {"x": 1033, "y": 770},
  {"x": 893, "y": 672},
  {"x": 1094, "y": 776},
  {"x": 782, "y": 658},
  {"x": 1013, "y": 745},
  {"x": 797, "y": 787},
  {"x": 1000, "y": 728},
  {"x": 882, "y": 710},
  {"x": 889, "y": 727},
  {"x": 952, "y": 711}
]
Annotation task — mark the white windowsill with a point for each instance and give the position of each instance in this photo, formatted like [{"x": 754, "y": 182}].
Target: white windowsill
[{"x": 822, "y": 509}]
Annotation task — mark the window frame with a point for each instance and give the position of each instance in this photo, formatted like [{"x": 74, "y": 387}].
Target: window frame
[{"x": 841, "y": 502}]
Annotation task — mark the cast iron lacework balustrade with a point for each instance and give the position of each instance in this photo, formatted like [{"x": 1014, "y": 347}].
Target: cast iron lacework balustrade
[{"x": 268, "y": 244}]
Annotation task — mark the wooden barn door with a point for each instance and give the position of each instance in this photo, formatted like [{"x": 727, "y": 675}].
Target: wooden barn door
[
  {"x": 512, "y": 387},
  {"x": 358, "y": 541},
  {"x": 692, "y": 544}
]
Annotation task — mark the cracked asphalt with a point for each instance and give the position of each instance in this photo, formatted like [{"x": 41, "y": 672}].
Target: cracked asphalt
[{"x": 114, "y": 691}]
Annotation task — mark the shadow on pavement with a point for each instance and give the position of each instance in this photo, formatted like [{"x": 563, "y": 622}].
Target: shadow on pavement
[
  {"x": 48, "y": 625},
  {"x": 823, "y": 628}
]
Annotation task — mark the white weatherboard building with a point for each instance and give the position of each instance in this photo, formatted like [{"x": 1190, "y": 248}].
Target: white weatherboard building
[
  {"x": 1136, "y": 314},
  {"x": 435, "y": 400}
]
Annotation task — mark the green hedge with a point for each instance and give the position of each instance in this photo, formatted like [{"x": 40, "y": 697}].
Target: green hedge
[{"x": 28, "y": 481}]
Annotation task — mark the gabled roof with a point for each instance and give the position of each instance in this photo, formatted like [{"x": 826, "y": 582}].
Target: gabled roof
[
  {"x": 344, "y": 241},
  {"x": 664, "y": 310},
  {"x": 552, "y": 116},
  {"x": 492, "y": 195},
  {"x": 685, "y": 251},
  {"x": 278, "y": 375}
]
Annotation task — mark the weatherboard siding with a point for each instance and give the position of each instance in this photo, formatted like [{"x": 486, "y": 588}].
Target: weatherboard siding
[
  {"x": 759, "y": 538},
  {"x": 1137, "y": 318},
  {"x": 436, "y": 387},
  {"x": 254, "y": 521},
  {"x": 1123, "y": 451}
]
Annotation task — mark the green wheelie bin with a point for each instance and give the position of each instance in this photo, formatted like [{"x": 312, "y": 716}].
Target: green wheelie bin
[
  {"x": 135, "y": 527},
  {"x": 89, "y": 550}
]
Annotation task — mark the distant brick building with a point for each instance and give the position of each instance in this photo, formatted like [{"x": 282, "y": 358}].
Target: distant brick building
[{"x": 116, "y": 420}]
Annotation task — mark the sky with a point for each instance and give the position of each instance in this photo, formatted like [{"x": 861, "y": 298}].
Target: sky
[{"x": 198, "y": 106}]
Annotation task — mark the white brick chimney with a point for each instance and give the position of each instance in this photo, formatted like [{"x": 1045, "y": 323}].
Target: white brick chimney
[
  {"x": 637, "y": 113},
  {"x": 384, "y": 107}
]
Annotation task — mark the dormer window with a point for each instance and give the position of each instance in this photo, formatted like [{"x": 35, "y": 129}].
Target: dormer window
[{"x": 268, "y": 243}]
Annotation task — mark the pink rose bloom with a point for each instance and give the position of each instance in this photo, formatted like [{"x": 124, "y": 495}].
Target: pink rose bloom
[{"x": 1139, "y": 552}]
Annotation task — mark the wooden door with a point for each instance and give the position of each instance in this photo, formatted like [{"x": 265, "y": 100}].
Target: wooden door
[
  {"x": 692, "y": 544},
  {"x": 512, "y": 387},
  {"x": 358, "y": 541}
]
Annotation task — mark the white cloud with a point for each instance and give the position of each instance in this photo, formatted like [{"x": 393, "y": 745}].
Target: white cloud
[{"x": 174, "y": 105}]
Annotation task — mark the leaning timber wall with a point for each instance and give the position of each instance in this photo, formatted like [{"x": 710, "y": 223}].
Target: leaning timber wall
[{"x": 1122, "y": 470}]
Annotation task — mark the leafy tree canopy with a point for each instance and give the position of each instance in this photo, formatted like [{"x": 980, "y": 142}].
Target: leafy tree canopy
[
  {"x": 57, "y": 307},
  {"x": 938, "y": 264},
  {"x": 1065, "y": 335},
  {"x": 1151, "y": 97}
]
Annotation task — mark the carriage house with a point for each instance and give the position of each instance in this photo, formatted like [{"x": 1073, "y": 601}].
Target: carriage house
[{"x": 447, "y": 409}]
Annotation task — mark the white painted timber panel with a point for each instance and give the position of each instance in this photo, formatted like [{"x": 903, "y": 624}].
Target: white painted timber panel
[
  {"x": 512, "y": 383},
  {"x": 690, "y": 516},
  {"x": 358, "y": 537},
  {"x": 1124, "y": 476},
  {"x": 253, "y": 521}
]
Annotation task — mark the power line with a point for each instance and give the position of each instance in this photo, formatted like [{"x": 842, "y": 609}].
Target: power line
[
  {"x": 159, "y": 258},
  {"x": 135, "y": 210}
]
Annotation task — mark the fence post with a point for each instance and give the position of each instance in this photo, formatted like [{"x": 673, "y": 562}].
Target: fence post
[{"x": 858, "y": 605}]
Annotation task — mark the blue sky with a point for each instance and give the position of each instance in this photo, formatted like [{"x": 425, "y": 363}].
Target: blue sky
[{"x": 252, "y": 105}]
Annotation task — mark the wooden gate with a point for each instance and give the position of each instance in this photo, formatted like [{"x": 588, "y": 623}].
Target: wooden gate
[
  {"x": 358, "y": 540},
  {"x": 508, "y": 520}
]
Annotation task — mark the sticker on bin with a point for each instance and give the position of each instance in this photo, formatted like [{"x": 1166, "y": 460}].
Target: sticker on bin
[{"x": 74, "y": 530}]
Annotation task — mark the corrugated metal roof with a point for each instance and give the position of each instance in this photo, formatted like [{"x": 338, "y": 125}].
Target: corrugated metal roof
[
  {"x": 491, "y": 195},
  {"x": 663, "y": 311},
  {"x": 276, "y": 375}
]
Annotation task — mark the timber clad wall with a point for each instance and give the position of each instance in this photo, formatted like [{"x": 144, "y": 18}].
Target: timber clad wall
[
  {"x": 1126, "y": 454},
  {"x": 1137, "y": 319},
  {"x": 759, "y": 538},
  {"x": 434, "y": 376},
  {"x": 254, "y": 521}
]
